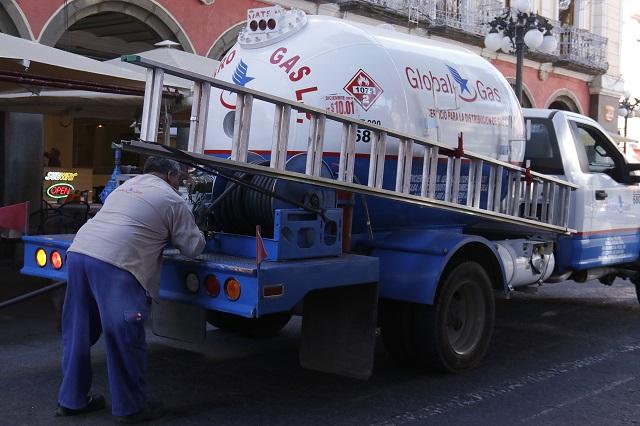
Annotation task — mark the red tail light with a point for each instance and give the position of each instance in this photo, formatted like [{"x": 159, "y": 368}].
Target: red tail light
[
  {"x": 56, "y": 260},
  {"x": 212, "y": 285}
]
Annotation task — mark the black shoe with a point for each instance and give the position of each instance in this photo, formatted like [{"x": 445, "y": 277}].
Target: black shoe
[
  {"x": 150, "y": 411},
  {"x": 94, "y": 403}
]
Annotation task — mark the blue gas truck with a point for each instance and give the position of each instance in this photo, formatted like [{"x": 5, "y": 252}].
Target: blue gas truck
[{"x": 370, "y": 180}]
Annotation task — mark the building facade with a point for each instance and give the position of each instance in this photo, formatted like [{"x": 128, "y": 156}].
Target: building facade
[{"x": 582, "y": 75}]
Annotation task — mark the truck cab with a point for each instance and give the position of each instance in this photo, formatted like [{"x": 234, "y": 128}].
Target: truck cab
[{"x": 605, "y": 209}]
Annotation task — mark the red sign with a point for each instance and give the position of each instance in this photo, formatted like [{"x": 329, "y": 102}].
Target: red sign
[
  {"x": 364, "y": 89},
  {"x": 59, "y": 190}
]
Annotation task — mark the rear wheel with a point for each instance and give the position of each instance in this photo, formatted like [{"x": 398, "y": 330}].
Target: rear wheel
[
  {"x": 267, "y": 325},
  {"x": 452, "y": 335},
  {"x": 638, "y": 292}
]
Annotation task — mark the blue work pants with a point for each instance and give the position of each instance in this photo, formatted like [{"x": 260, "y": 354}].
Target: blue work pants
[{"x": 102, "y": 298}]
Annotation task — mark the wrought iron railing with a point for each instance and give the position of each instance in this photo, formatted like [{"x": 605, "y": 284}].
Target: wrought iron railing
[{"x": 577, "y": 48}]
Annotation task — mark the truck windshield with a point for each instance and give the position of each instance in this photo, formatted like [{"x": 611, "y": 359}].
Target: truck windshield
[{"x": 542, "y": 148}]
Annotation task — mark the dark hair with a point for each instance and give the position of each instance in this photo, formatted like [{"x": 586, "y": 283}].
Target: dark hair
[{"x": 161, "y": 165}]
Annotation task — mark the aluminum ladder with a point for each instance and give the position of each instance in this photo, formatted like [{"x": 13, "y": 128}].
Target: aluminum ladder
[{"x": 532, "y": 199}]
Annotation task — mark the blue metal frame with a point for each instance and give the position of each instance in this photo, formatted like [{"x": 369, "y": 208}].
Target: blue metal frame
[
  {"x": 49, "y": 243},
  {"x": 580, "y": 252},
  {"x": 412, "y": 261},
  {"x": 297, "y": 278}
]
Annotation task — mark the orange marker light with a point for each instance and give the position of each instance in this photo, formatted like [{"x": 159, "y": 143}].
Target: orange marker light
[
  {"x": 56, "y": 260},
  {"x": 41, "y": 257},
  {"x": 232, "y": 289}
]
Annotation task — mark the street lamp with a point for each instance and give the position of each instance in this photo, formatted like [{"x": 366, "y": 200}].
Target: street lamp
[
  {"x": 627, "y": 106},
  {"x": 516, "y": 28}
]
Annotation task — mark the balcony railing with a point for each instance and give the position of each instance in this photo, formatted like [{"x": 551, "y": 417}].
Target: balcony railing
[{"x": 467, "y": 20}]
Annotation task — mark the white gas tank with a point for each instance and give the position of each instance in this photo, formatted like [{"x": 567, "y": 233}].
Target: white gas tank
[{"x": 412, "y": 84}]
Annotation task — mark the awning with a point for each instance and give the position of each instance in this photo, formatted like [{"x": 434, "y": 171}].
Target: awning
[
  {"x": 59, "y": 82},
  {"x": 27, "y": 64}
]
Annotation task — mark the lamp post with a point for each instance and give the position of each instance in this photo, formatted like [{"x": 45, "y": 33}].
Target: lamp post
[
  {"x": 627, "y": 106},
  {"x": 516, "y": 29}
]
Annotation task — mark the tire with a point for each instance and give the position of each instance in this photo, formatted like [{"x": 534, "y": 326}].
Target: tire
[
  {"x": 451, "y": 336},
  {"x": 265, "y": 326},
  {"x": 457, "y": 329},
  {"x": 638, "y": 292}
]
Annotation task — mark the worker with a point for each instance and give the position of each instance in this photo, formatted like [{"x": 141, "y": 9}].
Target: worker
[{"x": 113, "y": 271}]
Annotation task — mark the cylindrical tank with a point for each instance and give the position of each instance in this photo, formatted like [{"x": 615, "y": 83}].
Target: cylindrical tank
[{"x": 413, "y": 84}]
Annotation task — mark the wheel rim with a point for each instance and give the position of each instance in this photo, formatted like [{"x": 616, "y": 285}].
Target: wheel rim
[{"x": 465, "y": 318}]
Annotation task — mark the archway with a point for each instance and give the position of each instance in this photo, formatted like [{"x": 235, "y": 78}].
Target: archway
[
  {"x": 222, "y": 45},
  {"x": 564, "y": 100},
  {"x": 12, "y": 22},
  {"x": 527, "y": 98},
  {"x": 563, "y": 104},
  {"x": 105, "y": 30}
]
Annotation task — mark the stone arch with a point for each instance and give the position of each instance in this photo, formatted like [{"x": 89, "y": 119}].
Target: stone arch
[
  {"x": 528, "y": 101},
  {"x": 12, "y": 20},
  {"x": 147, "y": 11},
  {"x": 227, "y": 39},
  {"x": 565, "y": 100}
]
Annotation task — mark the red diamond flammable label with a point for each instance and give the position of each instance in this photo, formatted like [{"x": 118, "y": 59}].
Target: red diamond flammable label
[{"x": 364, "y": 89}]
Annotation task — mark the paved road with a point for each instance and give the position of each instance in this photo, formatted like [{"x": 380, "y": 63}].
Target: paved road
[{"x": 569, "y": 354}]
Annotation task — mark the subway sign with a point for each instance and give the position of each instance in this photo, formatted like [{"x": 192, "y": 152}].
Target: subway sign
[{"x": 60, "y": 190}]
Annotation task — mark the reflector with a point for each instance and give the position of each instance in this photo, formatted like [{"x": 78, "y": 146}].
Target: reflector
[
  {"x": 41, "y": 257},
  {"x": 212, "y": 285},
  {"x": 56, "y": 260},
  {"x": 191, "y": 282},
  {"x": 232, "y": 289}
]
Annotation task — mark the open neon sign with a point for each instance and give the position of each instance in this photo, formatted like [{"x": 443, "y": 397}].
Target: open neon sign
[{"x": 60, "y": 190}]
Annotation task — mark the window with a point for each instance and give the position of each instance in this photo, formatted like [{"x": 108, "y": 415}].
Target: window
[
  {"x": 599, "y": 155},
  {"x": 565, "y": 11},
  {"x": 542, "y": 148}
]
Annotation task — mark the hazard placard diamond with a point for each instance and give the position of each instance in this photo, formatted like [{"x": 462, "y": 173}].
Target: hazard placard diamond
[{"x": 364, "y": 89}]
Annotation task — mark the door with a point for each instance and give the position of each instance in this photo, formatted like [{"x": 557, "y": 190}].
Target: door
[{"x": 610, "y": 235}]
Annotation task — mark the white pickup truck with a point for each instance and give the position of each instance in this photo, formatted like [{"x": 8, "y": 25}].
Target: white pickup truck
[{"x": 605, "y": 209}]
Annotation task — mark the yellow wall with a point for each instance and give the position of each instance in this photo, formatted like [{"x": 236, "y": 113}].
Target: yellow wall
[{"x": 58, "y": 133}]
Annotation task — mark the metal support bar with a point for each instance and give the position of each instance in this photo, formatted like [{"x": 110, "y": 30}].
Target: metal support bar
[{"x": 32, "y": 294}]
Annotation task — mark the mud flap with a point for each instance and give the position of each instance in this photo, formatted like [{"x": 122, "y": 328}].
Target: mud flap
[
  {"x": 339, "y": 330},
  {"x": 178, "y": 321}
]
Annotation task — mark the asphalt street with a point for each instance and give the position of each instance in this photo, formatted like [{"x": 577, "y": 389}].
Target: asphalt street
[{"x": 567, "y": 355}]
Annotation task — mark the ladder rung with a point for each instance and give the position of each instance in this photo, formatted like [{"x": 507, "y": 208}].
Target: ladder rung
[
  {"x": 491, "y": 184},
  {"x": 152, "y": 105},
  {"x": 535, "y": 202},
  {"x": 195, "y": 114},
  {"x": 433, "y": 171},
  {"x": 455, "y": 183},
  {"x": 552, "y": 202},
  {"x": 497, "y": 190},
  {"x": 528, "y": 195},
  {"x": 280, "y": 138},
  {"x": 314, "y": 145},
  {"x": 376, "y": 160},
  {"x": 477, "y": 183},
  {"x": 517, "y": 194},
  {"x": 544, "y": 210},
  {"x": 447, "y": 179},
  {"x": 347, "y": 152},
  {"x": 241, "y": 128},
  {"x": 405, "y": 162}
]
